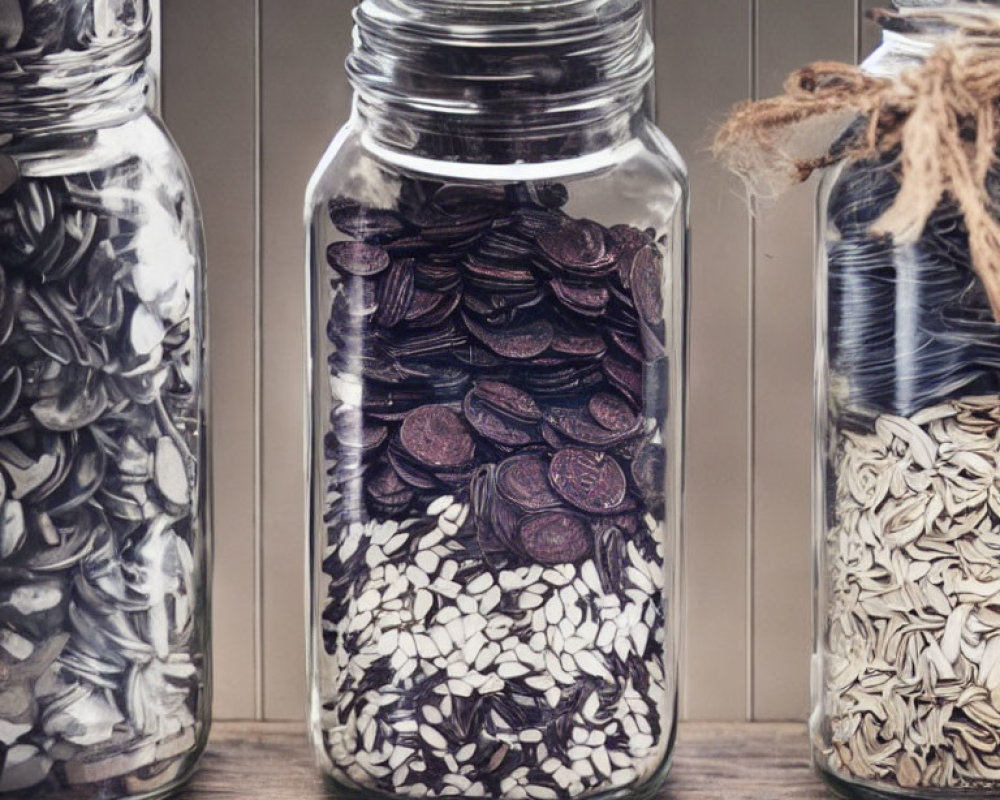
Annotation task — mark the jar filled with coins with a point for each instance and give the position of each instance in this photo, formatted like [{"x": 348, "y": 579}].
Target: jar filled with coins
[
  {"x": 498, "y": 244},
  {"x": 104, "y": 663}
]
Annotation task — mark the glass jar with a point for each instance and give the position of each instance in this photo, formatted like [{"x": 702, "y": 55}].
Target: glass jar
[
  {"x": 907, "y": 660},
  {"x": 104, "y": 556},
  {"x": 497, "y": 249}
]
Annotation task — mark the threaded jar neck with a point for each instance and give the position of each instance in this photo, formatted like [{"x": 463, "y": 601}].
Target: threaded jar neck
[
  {"x": 71, "y": 65},
  {"x": 911, "y": 35},
  {"x": 500, "y": 81}
]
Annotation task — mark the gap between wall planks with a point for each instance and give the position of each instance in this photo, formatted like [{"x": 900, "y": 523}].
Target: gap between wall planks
[{"x": 747, "y": 585}]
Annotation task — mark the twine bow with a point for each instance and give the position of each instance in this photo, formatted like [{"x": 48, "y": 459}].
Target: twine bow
[{"x": 943, "y": 116}]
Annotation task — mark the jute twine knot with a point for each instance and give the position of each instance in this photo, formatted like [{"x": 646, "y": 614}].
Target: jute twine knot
[{"x": 941, "y": 117}]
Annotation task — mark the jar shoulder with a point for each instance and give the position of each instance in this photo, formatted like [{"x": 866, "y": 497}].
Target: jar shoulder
[{"x": 648, "y": 168}]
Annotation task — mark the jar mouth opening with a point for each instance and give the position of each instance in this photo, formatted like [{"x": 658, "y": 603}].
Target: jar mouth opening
[{"x": 472, "y": 23}]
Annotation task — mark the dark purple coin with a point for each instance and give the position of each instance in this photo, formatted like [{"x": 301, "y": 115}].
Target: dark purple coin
[
  {"x": 589, "y": 300},
  {"x": 496, "y": 427},
  {"x": 579, "y": 427},
  {"x": 438, "y": 437},
  {"x": 458, "y": 199},
  {"x": 612, "y": 412},
  {"x": 593, "y": 482},
  {"x": 509, "y": 400},
  {"x": 524, "y": 480},
  {"x": 647, "y": 285},
  {"x": 628, "y": 524},
  {"x": 436, "y": 277},
  {"x": 629, "y": 241},
  {"x": 575, "y": 243},
  {"x": 627, "y": 379},
  {"x": 428, "y": 309},
  {"x": 357, "y": 258},
  {"x": 582, "y": 346},
  {"x": 649, "y": 473},
  {"x": 555, "y": 537},
  {"x": 521, "y": 343},
  {"x": 395, "y": 295},
  {"x": 388, "y": 490},
  {"x": 491, "y": 276},
  {"x": 373, "y": 225},
  {"x": 409, "y": 247},
  {"x": 409, "y": 474},
  {"x": 478, "y": 357},
  {"x": 628, "y": 345}
]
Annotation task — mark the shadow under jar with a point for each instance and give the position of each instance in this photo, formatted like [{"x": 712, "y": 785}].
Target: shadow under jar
[
  {"x": 104, "y": 663},
  {"x": 907, "y": 664},
  {"x": 497, "y": 243}
]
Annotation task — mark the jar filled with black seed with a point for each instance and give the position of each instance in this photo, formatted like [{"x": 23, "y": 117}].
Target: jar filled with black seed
[
  {"x": 498, "y": 242},
  {"x": 907, "y": 665},
  {"x": 104, "y": 669}
]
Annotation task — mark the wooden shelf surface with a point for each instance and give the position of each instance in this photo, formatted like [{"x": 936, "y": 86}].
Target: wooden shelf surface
[{"x": 273, "y": 761}]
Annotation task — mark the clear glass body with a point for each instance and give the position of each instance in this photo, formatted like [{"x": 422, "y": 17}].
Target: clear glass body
[
  {"x": 497, "y": 365},
  {"x": 104, "y": 529},
  {"x": 905, "y": 679}
]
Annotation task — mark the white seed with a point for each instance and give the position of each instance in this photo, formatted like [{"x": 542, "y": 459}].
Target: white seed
[
  {"x": 422, "y": 604},
  {"x": 374, "y": 557},
  {"x": 396, "y": 543},
  {"x": 480, "y": 583},
  {"x": 439, "y": 505},
  {"x": 490, "y": 600},
  {"x": 427, "y": 561},
  {"x": 528, "y": 601},
  {"x": 512, "y": 670},
  {"x": 426, "y": 647},
  {"x": 592, "y": 665},
  {"x": 466, "y": 752},
  {"x": 623, "y": 777},
  {"x": 442, "y": 640},
  {"x": 433, "y": 738}
]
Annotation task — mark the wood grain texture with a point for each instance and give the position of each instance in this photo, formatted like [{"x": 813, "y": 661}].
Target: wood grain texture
[
  {"x": 304, "y": 99},
  {"x": 213, "y": 122},
  {"x": 790, "y": 33},
  {"x": 713, "y": 760},
  {"x": 689, "y": 99}
]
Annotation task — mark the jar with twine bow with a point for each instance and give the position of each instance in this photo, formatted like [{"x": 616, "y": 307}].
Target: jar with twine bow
[{"x": 906, "y": 671}]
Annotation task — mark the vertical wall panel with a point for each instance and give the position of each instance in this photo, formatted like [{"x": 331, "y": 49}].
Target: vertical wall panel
[
  {"x": 869, "y": 33},
  {"x": 208, "y": 101},
  {"x": 304, "y": 99},
  {"x": 703, "y": 68},
  {"x": 789, "y": 34}
]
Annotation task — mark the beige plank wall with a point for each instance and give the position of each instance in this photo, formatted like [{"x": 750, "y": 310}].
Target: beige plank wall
[{"x": 254, "y": 89}]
